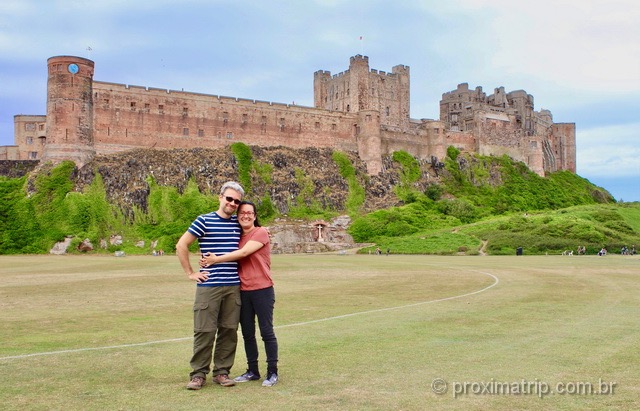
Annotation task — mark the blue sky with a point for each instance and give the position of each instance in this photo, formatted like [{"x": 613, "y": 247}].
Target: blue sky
[{"x": 579, "y": 59}]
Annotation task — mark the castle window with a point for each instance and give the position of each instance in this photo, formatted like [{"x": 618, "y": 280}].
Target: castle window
[
  {"x": 185, "y": 111},
  {"x": 160, "y": 109},
  {"x": 245, "y": 118},
  {"x": 33, "y": 155},
  {"x": 225, "y": 118},
  {"x": 106, "y": 102},
  {"x": 334, "y": 126},
  {"x": 133, "y": 106},
  {"x": 229, "y": 134},
  {"x": 282, "y": 124},
  {"x": 348, "y": 107},
  {"x": 200, "y": 133},
  {"x": 317, "y": 124},
  {"x": 146, "y": 106},
  {"x": 41, "y": 127},
  {"x": 263, "y": 124},
  {"x": 387, "y": 110},
  {"x": 367, "y": 118},
  {"x": 29, "y": 140},
  {"x": 185, "y": 131},
  {"x": 29, "y": 126}
]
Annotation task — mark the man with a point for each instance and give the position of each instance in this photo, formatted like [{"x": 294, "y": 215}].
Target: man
[{"x": 216, "y": 310}]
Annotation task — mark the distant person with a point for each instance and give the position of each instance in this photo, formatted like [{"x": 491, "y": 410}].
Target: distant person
[
  {"x": 602, "y": 252},
  {"x": 256, "y": 291},
  {"x": 216, "y": 310}
]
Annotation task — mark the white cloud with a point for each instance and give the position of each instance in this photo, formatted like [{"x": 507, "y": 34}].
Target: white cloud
[
  {"x": 590, "y": 45},
  {"x": 612, "y": 151}
]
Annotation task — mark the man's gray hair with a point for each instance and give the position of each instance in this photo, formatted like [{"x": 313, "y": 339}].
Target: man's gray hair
[{"x": 232, "y": 185}]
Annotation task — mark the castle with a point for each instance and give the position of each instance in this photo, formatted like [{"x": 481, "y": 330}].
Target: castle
[{"x": 360, "y": 109}]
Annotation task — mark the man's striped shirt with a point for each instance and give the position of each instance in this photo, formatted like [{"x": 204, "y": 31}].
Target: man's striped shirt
[{"x": 218, "y": 236}]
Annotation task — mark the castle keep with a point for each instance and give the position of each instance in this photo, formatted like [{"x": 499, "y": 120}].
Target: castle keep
[{"x": 360, "y": 109}]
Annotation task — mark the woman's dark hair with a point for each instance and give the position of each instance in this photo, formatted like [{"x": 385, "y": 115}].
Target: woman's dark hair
[{"x": 256, "y": 223}]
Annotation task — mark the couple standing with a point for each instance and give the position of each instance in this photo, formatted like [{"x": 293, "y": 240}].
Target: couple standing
[{"x": 233, "y": 285}]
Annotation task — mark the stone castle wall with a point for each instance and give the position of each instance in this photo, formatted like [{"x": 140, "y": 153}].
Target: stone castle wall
[
  {"x": 361, "y": 110},
  {"x": 130, "y": 116}
]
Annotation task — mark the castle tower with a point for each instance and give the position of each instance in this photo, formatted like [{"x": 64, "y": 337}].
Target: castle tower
[
  {"x": 69, "y": 125},
  {"x": 320, "y": 94},
  {"x": 402, "y": 95},
  {"x": 369, "y": 140},
  {"x": 359, "y": 84}
]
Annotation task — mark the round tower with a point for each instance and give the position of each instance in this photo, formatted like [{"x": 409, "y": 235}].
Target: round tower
[{"x": 69, "y": 125}]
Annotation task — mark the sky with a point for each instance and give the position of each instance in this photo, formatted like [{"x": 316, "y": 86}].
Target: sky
[{"x": 579, "y": 59}]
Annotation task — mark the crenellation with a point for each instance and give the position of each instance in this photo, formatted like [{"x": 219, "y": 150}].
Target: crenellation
[{"x": 359, "y": 109}]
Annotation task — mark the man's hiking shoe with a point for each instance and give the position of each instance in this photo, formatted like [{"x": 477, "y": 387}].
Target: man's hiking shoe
[
  {"x": 196, "y": 383},
  {"x": 224, "y": 380}
]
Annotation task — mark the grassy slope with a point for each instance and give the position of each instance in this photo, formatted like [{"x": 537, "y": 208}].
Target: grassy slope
[{"x": 542, "y": 232}]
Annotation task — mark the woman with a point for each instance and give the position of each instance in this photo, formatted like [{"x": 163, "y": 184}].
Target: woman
[{"x": 256, "y": 292}]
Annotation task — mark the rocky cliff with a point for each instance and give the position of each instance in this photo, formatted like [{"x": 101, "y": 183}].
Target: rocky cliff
[{"x": 125, "y": 175}]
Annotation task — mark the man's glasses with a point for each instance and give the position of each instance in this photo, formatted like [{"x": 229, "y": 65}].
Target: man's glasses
[{"x": 233, "y": 200}]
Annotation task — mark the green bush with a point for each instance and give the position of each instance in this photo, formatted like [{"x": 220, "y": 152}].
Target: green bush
[
  {"x": 244, "y": 157},
  {"x": 434, "y": 192},
  {"x": 453, "y": 153},
  {"x": 356, "y": 197}
]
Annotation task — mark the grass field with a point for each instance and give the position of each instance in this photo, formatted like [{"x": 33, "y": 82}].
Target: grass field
[{"x": 356, "y": 332}]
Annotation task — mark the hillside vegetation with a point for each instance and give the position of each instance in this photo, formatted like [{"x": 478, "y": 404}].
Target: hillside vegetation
[{"x": 470, "y": 205}]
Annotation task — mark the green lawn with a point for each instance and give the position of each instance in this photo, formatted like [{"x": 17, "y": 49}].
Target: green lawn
[{"x": 356, "y": 332}]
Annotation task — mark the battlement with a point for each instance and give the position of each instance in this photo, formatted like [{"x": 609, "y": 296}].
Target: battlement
[
  {"x": 359, "y": 59},
  {"x": 151, "y": 91},
  {"x": 322, "y": 73}
]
